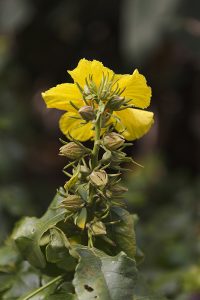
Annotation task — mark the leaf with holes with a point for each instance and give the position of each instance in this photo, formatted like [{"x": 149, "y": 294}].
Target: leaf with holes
[{"x": 99, "y": 276}]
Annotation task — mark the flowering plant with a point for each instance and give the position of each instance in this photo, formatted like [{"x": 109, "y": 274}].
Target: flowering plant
[{"x": 84, "y": 246}]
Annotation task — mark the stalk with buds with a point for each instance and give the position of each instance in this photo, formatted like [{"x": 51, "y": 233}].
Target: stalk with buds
[{"x": 87, "y": 235}]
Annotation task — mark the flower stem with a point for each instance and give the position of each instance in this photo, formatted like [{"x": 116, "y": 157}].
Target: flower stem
[
  {"x": 95, "y": 151},
  {"x": 43, "y": 287}
]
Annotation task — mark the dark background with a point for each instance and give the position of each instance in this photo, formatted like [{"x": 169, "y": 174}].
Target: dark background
[{"x": 39, "y": 41}]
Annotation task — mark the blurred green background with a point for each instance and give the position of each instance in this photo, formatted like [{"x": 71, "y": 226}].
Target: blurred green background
[{"x": 39, "y": 41}]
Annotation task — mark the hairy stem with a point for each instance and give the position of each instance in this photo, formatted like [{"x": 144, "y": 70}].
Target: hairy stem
[
  {"x": 95, "y": 151},
  {"x": 43, "y": 287}
]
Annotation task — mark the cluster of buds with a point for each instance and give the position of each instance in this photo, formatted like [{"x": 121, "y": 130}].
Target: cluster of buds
[
  {"x": 105, "y": 91},
  {"x": 92, "y": 189},
  {"x": 106, "y": 191}
]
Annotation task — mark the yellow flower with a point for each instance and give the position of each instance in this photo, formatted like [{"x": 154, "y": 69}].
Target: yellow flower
[{"x": 131, "y": 123}]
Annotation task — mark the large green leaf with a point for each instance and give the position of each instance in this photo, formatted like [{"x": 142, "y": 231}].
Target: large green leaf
[
  {"x": 99, "y": 276},
  {"x": 29, "y": 231},
  {"x": 123, "y": 232},
  {"x": 21, "y": 282},
  {"x": 57, "y": 251}
]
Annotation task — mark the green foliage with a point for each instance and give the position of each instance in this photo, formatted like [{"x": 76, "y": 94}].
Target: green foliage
[
  {"x": 97, "y": 274},
  {"x": 29, "y": 231},
  {"x": 48, "y": 246}
]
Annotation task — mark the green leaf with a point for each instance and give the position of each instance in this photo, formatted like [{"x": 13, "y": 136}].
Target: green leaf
[
  {"x": 9, "y": 256},
  {"x": 24, "y": 280},
  {"x": 99, "y": 276},
  {"x": 29, "y": 231},
  {"x": 123, "y": 232},
  {"x": 6, "y": 281},
  {"x": 57, "y": 251}
]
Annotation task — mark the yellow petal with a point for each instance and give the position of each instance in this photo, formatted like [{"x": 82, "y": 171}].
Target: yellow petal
[
  {"x": 60, "y": 96},
  {"x": 86, "y": 67},
  {"x": 76, "y": 128},
  {"x": 136, "y": 89},
  {"x": 133, "y": 123}
]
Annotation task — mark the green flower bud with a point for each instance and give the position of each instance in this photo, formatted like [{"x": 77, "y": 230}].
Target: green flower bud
[
  {"x": 98, "y": 228},
  {"x": 119, "y": 157},
  {"x": 115, "y": 191},
  {"x": 87, "y": 113},
  {"x": 99, "y": 178},
  {"x": 116, "y": 102},
  {"x": 118, "y": 189},
  {"x": 72, "y": 151},
  {"x": 113, "y": 140},
  {"x": 72, "y": 203}
]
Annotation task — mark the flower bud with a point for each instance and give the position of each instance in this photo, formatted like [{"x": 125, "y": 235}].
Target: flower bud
[
  {"x": 119, "y": 157},
  {"x": 118, "y": 189},
  {"x": 113, "y": 140},
  {"x": 99, "y": 178},
  {"x": 98, "y": 228},
  {"x": 72, "y": 151},
  {"x": 116, "y": 102},
  {"x": 72, "y": 202},
  {"x": 87, "y": 113}
]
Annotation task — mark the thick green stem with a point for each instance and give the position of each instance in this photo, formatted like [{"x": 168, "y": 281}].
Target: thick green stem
[
  {"x": 43, "y": 287},
  {"x": 95, "y": 151}
]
